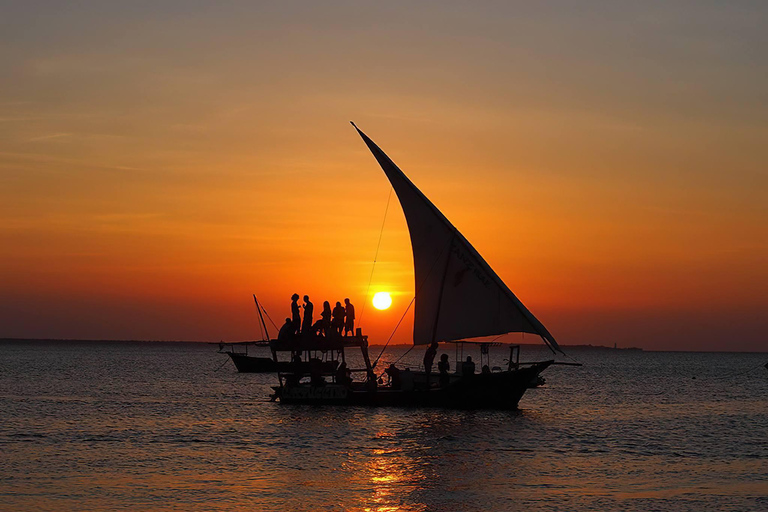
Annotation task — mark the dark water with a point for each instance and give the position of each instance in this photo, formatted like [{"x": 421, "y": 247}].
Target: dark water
[{"x": 155, "y": 426}]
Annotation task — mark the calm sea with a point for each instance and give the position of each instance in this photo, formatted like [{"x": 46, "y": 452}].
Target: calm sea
[{"x": 172, "y": 426}]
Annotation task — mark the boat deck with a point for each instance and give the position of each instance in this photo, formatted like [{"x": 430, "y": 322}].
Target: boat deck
[{"x": 302, "y": 343}]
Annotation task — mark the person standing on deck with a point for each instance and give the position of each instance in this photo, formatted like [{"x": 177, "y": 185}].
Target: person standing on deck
[
  {"x": 326, "y": 318},
  {"x": 429, "y": 357},
  {"x": 295, "y": 313},
  {"x": 468, "y": 367},
  {"x": 306, "y": 325},
  {"x": 349, "y": 326},
  {"x": 443, "y": 366},
  {"x": 338, "y": 318}
]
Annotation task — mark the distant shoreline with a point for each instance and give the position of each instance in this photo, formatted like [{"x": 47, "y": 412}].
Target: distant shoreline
[{"x": 536, "y": 345}]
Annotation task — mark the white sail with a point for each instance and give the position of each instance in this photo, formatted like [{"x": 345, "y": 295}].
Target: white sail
[{"x": 458, "y": 295}]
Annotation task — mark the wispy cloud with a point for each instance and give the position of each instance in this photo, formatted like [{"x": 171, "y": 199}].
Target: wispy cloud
[
  {"x": 36, "y": 157},
  {"x": 49, "y": 137},
  {"x": 11, "y": 119}
]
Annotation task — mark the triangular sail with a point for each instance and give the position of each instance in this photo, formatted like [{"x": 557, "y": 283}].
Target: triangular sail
[{"x": 458, "y": 295}]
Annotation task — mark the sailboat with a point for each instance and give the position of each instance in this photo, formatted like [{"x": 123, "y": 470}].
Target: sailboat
[{"x": 458, "y": 297}]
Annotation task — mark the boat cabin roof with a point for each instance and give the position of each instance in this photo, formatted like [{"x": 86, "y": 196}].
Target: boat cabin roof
[
  {"x": 252, "y": 343},
  {"x": 301, "y": 343},
  {"x": 486, "y": 343}
]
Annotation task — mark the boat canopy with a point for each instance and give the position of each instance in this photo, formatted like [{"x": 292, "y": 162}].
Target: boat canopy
[{"x": 458, "y": 295}]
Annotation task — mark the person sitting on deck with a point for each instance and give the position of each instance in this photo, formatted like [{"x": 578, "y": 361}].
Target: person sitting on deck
[
  {"x": 468, "y": 367},
  {"x": 317, "y": 328},
  {"x": 294, "y": 376},
  {"x": 444, "y": 367},
  {"x": 429, "y": 357},
  {"x": 338, "y": 318},
  {"x": 394, "y": 376},
  {"x": 371, "y": 384},
  {"x": 306, "y": 325},
  {"x": 343, "y": 375},
  {"x": 316, "y": 372},
  {"x": 325, "y": 317},
  {"x": 295, "y": 313},
  {"x": 349, "y": 325},
  {"x": 286, "y": 331},
  {"x": 407, "y": 381}
]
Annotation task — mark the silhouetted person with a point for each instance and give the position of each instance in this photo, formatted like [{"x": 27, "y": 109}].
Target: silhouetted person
[
  {"x": 338, "y": 318},
  {"x": 317, "y": 328},
  {"x": 295, "y": 313},
  {"x": 343, "y": 375},
  {"x": 407, "y": 382},
  {"x": 429, "y": 357},
  {"x": 394, "y": 376},
  {"x": 316, "y": 372},
  {"x": 468, "y": 367},
  {"x": 349, "y": 325},
  {"x": 443, "y": 366},
  {"x": 306, "y": 325},
  {"x": 326, "y": 318},
  {"x": 294, "y": 377},
  {"x": 371, "y": 384},
  {"x": 286, "y": 331},
  {"x": 486, "y": 369}
]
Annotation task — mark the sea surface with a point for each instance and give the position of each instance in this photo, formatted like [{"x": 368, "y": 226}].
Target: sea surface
[{"x": 172, "y": 426}]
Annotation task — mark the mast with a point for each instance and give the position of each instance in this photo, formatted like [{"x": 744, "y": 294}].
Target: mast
[
  {"x": 261, "y": 317},
  {"x": 440, "y": 299}
]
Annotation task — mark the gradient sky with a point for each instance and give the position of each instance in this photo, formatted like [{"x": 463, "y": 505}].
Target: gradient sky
[{"x": 161, "y": 161}]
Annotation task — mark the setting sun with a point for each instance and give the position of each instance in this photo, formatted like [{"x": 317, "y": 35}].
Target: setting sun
[{"x": 382, "y": 300}]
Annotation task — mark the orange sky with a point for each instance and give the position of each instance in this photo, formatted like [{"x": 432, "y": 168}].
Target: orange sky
[{"x": 160, "y": 163}]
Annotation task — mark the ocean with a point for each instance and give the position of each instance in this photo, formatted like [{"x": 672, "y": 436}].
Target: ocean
[{"x": 172, "y": 426}]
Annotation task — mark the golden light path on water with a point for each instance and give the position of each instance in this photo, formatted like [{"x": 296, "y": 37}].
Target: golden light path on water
[{"x": 391, "y": 474}]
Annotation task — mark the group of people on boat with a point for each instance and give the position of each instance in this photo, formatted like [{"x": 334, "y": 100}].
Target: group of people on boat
[
  {"x": 443, "y": 366},
  {"x": 339, "y": 321},
  {"x": 399, "y": 379}
]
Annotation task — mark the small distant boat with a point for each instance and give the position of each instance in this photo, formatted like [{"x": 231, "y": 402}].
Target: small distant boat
[
  {"x": 245, "y": 363},
  {"x": 458, "y": 297},
  {"x": 254, "y": 364}
]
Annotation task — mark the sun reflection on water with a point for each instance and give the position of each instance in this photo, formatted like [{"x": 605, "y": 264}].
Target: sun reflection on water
[{"x": 392, "y": 476}]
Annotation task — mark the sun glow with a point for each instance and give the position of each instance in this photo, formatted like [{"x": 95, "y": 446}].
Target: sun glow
[{"x": 382, "y": 300}]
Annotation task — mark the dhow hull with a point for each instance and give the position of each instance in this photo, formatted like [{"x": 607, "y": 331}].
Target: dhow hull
[{"x": 501, "y": 391}]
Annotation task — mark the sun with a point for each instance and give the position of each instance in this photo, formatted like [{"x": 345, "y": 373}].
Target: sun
[{"x": 382, "y": 300}]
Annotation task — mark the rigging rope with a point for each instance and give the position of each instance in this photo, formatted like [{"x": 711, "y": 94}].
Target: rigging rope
[
  {"x": 568, "y": 356},
  {"x": 412, "y": 300},
  {"x": 270, "y": 318},
  {"x": 393, "y": 333},
  {"x": 405, "y": 354},
  {"x": 398, "y": 359},
  {"x": 375, "y": 257},
  {"x": 222, "y": 365},
  {"x": 261, "y": 329}
]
